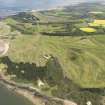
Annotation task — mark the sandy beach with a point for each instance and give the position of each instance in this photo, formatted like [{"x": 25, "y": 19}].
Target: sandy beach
[{"x": 30, "y": 97}]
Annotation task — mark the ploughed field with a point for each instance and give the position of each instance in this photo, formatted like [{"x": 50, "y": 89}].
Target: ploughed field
[{"x": 60, "y": 49}]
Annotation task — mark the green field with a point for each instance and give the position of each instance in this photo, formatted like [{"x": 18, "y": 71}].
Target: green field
[{"x": 65, "y": 58}]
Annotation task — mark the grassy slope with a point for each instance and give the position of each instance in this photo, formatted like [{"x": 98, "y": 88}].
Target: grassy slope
[{"x": 81, "y": 59}]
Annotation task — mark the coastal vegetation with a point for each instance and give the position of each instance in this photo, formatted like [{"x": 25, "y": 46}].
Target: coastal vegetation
[{"x": 60, "y": 52}]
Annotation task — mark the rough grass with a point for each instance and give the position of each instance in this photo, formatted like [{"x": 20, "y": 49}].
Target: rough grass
[{"x": 81, "y": 59}]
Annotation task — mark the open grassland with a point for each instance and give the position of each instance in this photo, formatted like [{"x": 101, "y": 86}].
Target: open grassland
[
  {"x": 67, "y": 57},
  {"x": 81, "y": 59}
]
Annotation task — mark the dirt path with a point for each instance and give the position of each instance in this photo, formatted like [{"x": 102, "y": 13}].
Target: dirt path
[{"x": 4, "y": 46}]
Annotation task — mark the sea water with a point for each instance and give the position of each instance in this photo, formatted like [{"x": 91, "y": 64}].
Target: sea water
[{"x": 8, "y": 97}]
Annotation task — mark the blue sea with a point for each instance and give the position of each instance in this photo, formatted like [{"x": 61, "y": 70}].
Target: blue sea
[{"x": 8, "y": 7}]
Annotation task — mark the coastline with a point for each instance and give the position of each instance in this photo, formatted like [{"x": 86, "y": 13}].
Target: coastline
[
  {"x": 24, "y": 93},
  {"x": 35, "y": 98},
  {"x": 28, "y": 10},
  {"x": 15, "y": 12},
  {"x": 30, "y": 97},
  {"x": 32, "y": 94}
]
